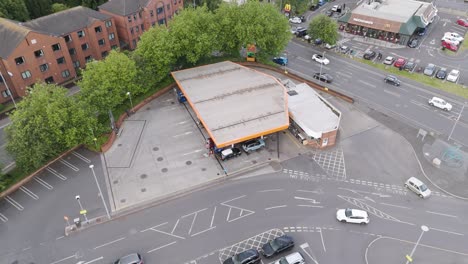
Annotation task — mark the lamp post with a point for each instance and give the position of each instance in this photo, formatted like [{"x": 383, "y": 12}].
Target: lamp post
[
  {"x": 82, "y": 211},
  {"x": 286, "y": 64},
  {"x": 321, "y": 64},
  {"x": 100, "y": 192},
  {"x": 410, "y": 257},
  {"x": 130, "y": 97},
  {"x": 94, "y": 138},
  {"x": 456, "y": 121},
  {"x": 8, "y": 89}
]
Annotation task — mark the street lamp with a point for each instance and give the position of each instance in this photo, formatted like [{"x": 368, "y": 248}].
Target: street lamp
[
  {"x": 94, "y": 138},
  {"x": 130, "y": 96},
  {"x": 410, "y": 257},
  {"x": 321, "y": 64},
  {"x": 100, "y": 192},
  {"x": 285, "y": 65},
  {"x": 82, "y": 211},
  {"x": 456, "y": 121},
  {"x": 8, "y": 89}
]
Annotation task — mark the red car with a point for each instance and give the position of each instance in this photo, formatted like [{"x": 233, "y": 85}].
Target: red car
[
  {"x": 449, "y": 46},
  {"x": 462, "y": 22},
  {"x": 399, "y": 63}
]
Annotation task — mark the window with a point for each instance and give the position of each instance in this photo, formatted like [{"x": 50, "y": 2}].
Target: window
[
  {"x": 38, "y": 53},
  {"x": 5, "y": 93},
  {"x": 111, "y": 36},
  {"x": 137, "y": 29},
  {"x": 98, "y": 29},
  {"x": 76, "y": 64},
  {"x": 134, "y": 17},
  {"x": 153, "y": 24},
  {"x": 134, "y": 42},
  {"x": 151, "y": 13},
  {"x": 104, "y": 54},
  {"x": 114, "y": 47},
  {"x": 142, "y": 27},
  {"x": 56, "y": 47},
  {"x": 61, "y": 60},
  {"x": 84, "y": 46},
  {"x": 101, "y": 42},
  {"x": 139, "y": 14},
  {"x": 19, "y": 60},
  {"x": 65, "y": 73},
  {"x": 88, "y": 58},
  {"x": 129, "y": 19},
  {"x": 168, "y": 7},
  {"x": 26, "y": 74},
  {"x": 68, "y": 38},
  {"x": 81, "y": 33},
  {"x": 72, "y": 51},
  {"x": 175, "y": 2},
  {"x": 160, "y": 10},
  {"x": 44, "y": 67},
  {"x": 162, "y": 21},
  {"x": 131, "y": 31},
  {"x": 49, "y": 79},
  {"x": 1, "y": 79},
  {"x": 108, "y": 23}
]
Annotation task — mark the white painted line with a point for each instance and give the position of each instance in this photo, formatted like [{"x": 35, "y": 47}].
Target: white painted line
[
  {"x": 3, "y": 218},
  {"x": 399, "y": 206},
  {"x": 201, "y": 232},
  {"x": 274, "y": 207},
  {"x": 83, "y": 158},
  {"x": 54, "y": 172},
  {"x": 43, "y": 183},
  {"x": 24, "y": 249},
  {"x": 193, "y": 222},
  {"x": 14, "y": 203},
  {"x": 109, "y": 243},
  {"x": 193, "y": 152},
  {"x": 272, "y": 190},
  {"x": 242, "y": 196},
  {"x": 196, "y": 212},
  {"x": 392, "y": 93},
  {"x": 368, "y": 84},
  {"x": 308, "y": 191},
  {"x": 183, "y": 122},
  {"x": 304, "y": 246},
  {"x": 58, "y": 261},
  {"x": 159, "y": 231},
  {"x": 306, "y": 199},
  {"x": 212, "y": 218},
  {"x": 152, "y": 228},
  {"x": 323, "y": 243},
  {"x": 68, "y": 164},
  {"x": 309, "y": 205},
  {"x": 173, "y": 229},
  {"x": 94, "y": 260},
  {"x": 445, "y": 231},
  {"x": 454, "y": 216},
  {"x": 158, "y": 248},
  {"x": 183, "y": 134},
  {"x": 29, "y": 192},
  {"x": 60, "y": 237},
  {"x": 5, "y": 125}
]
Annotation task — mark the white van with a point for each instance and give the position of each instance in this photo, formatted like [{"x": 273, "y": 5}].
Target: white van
[
  {"x": 294, "y": 258},
  {"x": 418, "y": 187}
]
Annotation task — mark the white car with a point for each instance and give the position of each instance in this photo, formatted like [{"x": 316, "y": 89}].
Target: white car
[
  {"x": 335, "y": 8},
  {"x": 389, "y": 60},
  {"x": 452, "y": 40},
  {"x": 354, "y": 216},
  {"x": 320, "y": 59},
  {"x": 294, "y": 258},
  {"x": 454, "y": 35},
  {"x": 296, "y": 29},
  {"x": 295, "y": 20},
  {"x": 418, "y": 187},
  {"x": 453, "y": 76},
  {"x": 440, "y": 103}
]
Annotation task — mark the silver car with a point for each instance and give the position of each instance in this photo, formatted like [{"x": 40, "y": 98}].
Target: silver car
[{"x": 430, "y": 69}]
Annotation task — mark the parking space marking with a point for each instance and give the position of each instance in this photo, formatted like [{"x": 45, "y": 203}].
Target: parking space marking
[
  {"x": 445, "y": 231},
  {"x": 162, "y": 232},
  {"x": 183, "y": 134},
  {"x": 399, "y": 206},
  {"x": 83, "y": 158},
  {"x": 272, "y": 190},
  {"x": 54, "y": 172},
  {"x": 158, "y": 248},
  {"x": 454, "y": 216},
  {"x": 109, "y": 243},
  {"x": 14, "y": 203},
  {"x": 275, "y": 207},
  {"x": 29, "y": 192},
  {"x": 3, "y": 218},
  {"x": 193, "y": 152},
  {"x": 91, "y": 261},
  {"x": 68, "y": 164},
  {"x": 43, "y": 183}
]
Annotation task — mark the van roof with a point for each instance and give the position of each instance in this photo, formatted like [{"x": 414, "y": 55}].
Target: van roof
[
  {"x": 415, "y": 181},
  {"x": 294, "y": 257}
]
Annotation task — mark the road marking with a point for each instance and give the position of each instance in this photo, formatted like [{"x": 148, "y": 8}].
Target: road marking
[
  {"x": 173, "y": 229},
  {"x": 109, "y": 243},
  {"x": 368, "y": 84},
  {"x": 306, "y": 199},
  {"x": 3, "y": 218},
  {"x": 183, "y": 134},
  {"x": 83, "y": 158},
  {"x": 58, "y": 261},
  {"x": 445, "y": 231},
  {"x": 274, "y": 207},
  {"x": 303, "y": 59},
  {"x": 238, "y": 208},
  {"x": 68, "y": 164},
  {"x": 29, "y": 192},
  {"x": 272, "y": 190},
  {"x": 158, "y": 248},
  {"x": 344, "y": 74},
  {"x": 43, "y": 183},
  {"x": 193, "y": 152},
  {"x": 94, "y": 260},
  {"x": 5, "y": 125},
  {"x": 14, "y": 203},
  {"x": 309, "y": 205},
  {"x": 212, "y": 218},
  {"x": 392, "y": 93},
  {"x": 316, "y": 192},
  {"x": 454, "y": 216},
  {"x": 399, "y": 206},
  {"x": 54, "y": 172},
  {"x": 162, "y": 232},
  {"x": 304, "y": 246},
  {"x": 323, "y": 243}
]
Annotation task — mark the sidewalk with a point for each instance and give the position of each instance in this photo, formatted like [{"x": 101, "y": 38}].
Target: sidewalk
[{"x": 370, "y": 41}]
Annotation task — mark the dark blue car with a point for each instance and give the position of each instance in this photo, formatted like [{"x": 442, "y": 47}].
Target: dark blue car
[{"x": 281, "y": 60}]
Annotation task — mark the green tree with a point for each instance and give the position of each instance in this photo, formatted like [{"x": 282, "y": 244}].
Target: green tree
[
  {"x": 57, "y": 7},
  {"x": 324, "y": 28},
  {"x": 14, "y": 9},
  {"x": 105, "y": 83},
  {"x": 38, "y": 8},
  {"x": 93, "y": 4},
  {"x": 46, "y": 123}
]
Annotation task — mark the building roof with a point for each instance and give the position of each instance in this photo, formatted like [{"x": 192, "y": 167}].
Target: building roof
[
  {"x": 394, "y": 10},
  {"x": 233, "y": 102},
  {"x": 67, "y": 21},
  {"x": 11, "y": 35},
  {"x": 313, "y": 113},
  {"x": 124, "y": 7}
]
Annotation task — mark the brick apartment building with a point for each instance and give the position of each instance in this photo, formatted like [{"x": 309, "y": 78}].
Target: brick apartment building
[
  {"x": 133, "y": 17},
  {"x": 51, "y": 48}
]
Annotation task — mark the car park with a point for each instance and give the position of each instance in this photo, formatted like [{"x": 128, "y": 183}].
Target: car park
[
  {"x": 324, "y": 77},
  {"x": 418, "y": 187},
  {"x": 413, "y": 43},
  {"x": 400, "y": 62},
  {"x": 295, "y": 20},
  {"x": 441, "y": 73},
  {"x": 430, "y": 69},
  {"x": 369, "y": 54},
  {"x": 354, "y": 216},
  {"x": 453, "y": 76},
  {"x": 229, "y": 153},
  {"x": 320, "y": 59},
  {"x": 294, "y": 258},
  {"x": 250, "y": 256},
  {"x": 277, "y": 245},
  {"x": 449, "y": 46},
  {"x": 252, "y": 145},
  {"x": 454, "y": 35},
  {"x": 462, "y": 22},
  {"x": 281, "y": 60},
  {"x": 392, "y": 80},
  {"x": 440, "y": 103},
  {"x": 389, "y": 60},
  {"x": 134, "y": 258},
  {"x": 409, "y": 66}
]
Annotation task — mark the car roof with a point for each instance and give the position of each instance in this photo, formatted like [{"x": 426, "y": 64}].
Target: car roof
[
  {"x": 356, "y": 212},
  {"x": 455, "y": 71},
  {"x": 129, "y": 259},
  {"x": 414, "y": 179},
  {"x": 294, "y": 257}
]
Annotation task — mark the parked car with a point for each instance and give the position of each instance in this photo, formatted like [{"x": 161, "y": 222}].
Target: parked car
[
  {"x": 422, "y": 31},
  {"x": 453, "y": 76},
  {"x": 400, "y": 62},
  {"x": 314, "y": 7},
  {"x": 354, "y": 216},
  {"x": 134, "y": 258},
  {"x": 440, "y": 103},
  {"x": 335, "y": 8},
  {"x": 301, "y": 32},
  {"x": 450, "y": 46},
  {"x": 324, "y": 77},
  {"x": 318, "y": 41},
  {"x": 281, "y": 60},
  {"x": 369, "y": 54},
  {"x": 454, "y": 35},
  {"x": 392, "y": 80},
  {"x": 328, "y": 46},
  {"x": 429, "y": 70},
  {"x": 441, "y": 73},
  {"x": 389, "y": 60},
  {"x": 294, "y": 258},
  {"x": 250, "y": 256},
  {"x": 409, "y": 66},
  {"x": 344, "y": 49},
  {"x": 277, "y": 246},
  {"x": 451, "y": 40},
  {"x": 294, "y": 30},
  {"x": 295, "y": 20},
  {"x": 418, "y": 187},
  {"x": 329, "y": 12},
  {"x": 320, "y": 59},
  {"x": 229, "y": 153},
  {"x": 413, "y": 43},
  {"x": 303, "y": 18},
  {"x": 462, "y": 22},
  {"x": 253, "y": 145}
]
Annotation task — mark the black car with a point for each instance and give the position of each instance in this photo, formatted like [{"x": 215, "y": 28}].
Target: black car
[
  {"x": 329, "y": 12},
  {"x": 228, "y": 153},
  {"x": 303, "y": 19},
  {"x": 314, "y": 7},
  {"x": 277, "y": 245},
  {"x": 441, "y": 74},
  {"x": 413, "y": 43},
  {"x": 250, "y": 256},
  {"x": 392, "y": 80},
  {"x": 301, "y": 33},
  {"x": 369, "y": 55},
  {"x": 409, "y": 66},
  {"x": 318, "y": 41},
  {"x": 324, "y": 77}
]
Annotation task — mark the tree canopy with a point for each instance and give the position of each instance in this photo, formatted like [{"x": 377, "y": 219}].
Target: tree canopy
[
  {"x": 324, "y": 28},
  {"x": 14, "y": 9}
]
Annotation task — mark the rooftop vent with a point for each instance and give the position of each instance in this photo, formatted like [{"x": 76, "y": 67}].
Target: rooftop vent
[{"x": 292, "y": 92}]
